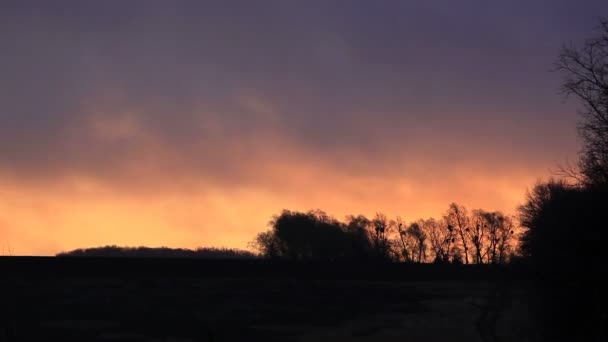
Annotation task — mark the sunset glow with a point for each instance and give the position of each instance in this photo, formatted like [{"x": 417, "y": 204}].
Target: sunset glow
[{"x": 177, "y": 125}]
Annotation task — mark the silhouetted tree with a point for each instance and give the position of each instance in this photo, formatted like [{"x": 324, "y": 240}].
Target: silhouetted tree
[
  {"x": 267, "y": 244},
  {"x": 402, "y": 244},
  {"x": 566, "y": 225},
  {"x": 442, "y": 238},
  {"x": 542, "y": 215},
  {"x": 586, "y": 77},
  {"x": 416, "y": 231},
  {"x": 500, "y": 230},
  {"x": 305, "y": 236},
  {"x": 314, "y": 235},
  {"x": 477, "y": 234},
  {"x": 159, "y": 252},
  {"x": 458, "y": 219},
  {"x": 456, "y": 255},
  {"x": 379, "y": 232},
  {"x": 357, "y": 229},
  {"x": 565, "y": 241}
]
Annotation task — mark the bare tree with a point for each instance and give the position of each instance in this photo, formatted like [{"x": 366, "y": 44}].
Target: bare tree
[
  {"x": 380, "y": 231},
  {"x": 499, "y": 232},
  {"x": 402, "y": 240},
  {"x": 458, "y": 220},
  {"x": 586, "y": 77},
  {"x": 418, "y": 236},
  {"x": 506, "y": 240},
  {"x": 477, "y": 234},
  {"x": 441, "y": 237}
]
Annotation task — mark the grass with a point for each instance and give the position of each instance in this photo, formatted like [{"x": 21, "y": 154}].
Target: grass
[{"x": 252, "y": 309}]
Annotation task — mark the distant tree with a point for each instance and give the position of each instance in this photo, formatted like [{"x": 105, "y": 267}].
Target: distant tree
[
  {"x": 477, "y": 234},
  {"x": 412, "y": 240},
  {"x": 357, "y": 229},
  {"x": 267, "y": 244},
  {"x": 380, "y": 232},
  {"x": 442, "y": 239},
  {"x": 458, "y": 220},
  {"x": 500, "y": 230},
  {"x": 482, "y": 236},
  {"x": 314, "y": 235},
  {"x": 586, "y": 77},
  {"x": 416, "y": 232},
  {"x": 456, "y": 255},
  {"x": 159, "y": 252},
  {"x": 403, "y": 245},
  {"x": 305, "y": 236}
]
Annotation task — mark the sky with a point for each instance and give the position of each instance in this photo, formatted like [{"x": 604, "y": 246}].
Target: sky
[{"x": 192, "y": 123}]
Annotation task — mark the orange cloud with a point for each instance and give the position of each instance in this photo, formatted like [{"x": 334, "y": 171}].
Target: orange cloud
[
  {"x": 195, "y": 129},
  {"x": 158, "y": 209}
]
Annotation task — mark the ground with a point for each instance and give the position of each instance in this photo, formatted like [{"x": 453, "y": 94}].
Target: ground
[{"x": 154, "y": 308}]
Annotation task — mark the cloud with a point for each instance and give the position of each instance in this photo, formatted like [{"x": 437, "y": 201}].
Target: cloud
[{"x": 243, "y": 108}]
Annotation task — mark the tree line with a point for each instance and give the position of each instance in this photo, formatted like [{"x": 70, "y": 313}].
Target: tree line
[
  {"x": 459, "y": 236},
  {"x": 159, "y": 252}
]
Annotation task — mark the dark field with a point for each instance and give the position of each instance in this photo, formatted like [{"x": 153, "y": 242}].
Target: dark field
[{"x": 49, "y": 299}]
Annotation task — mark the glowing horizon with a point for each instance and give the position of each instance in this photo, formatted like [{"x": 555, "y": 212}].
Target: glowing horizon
[
  {"x": 190, "y": 124},
  {"x": 81, "y": 213}
]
